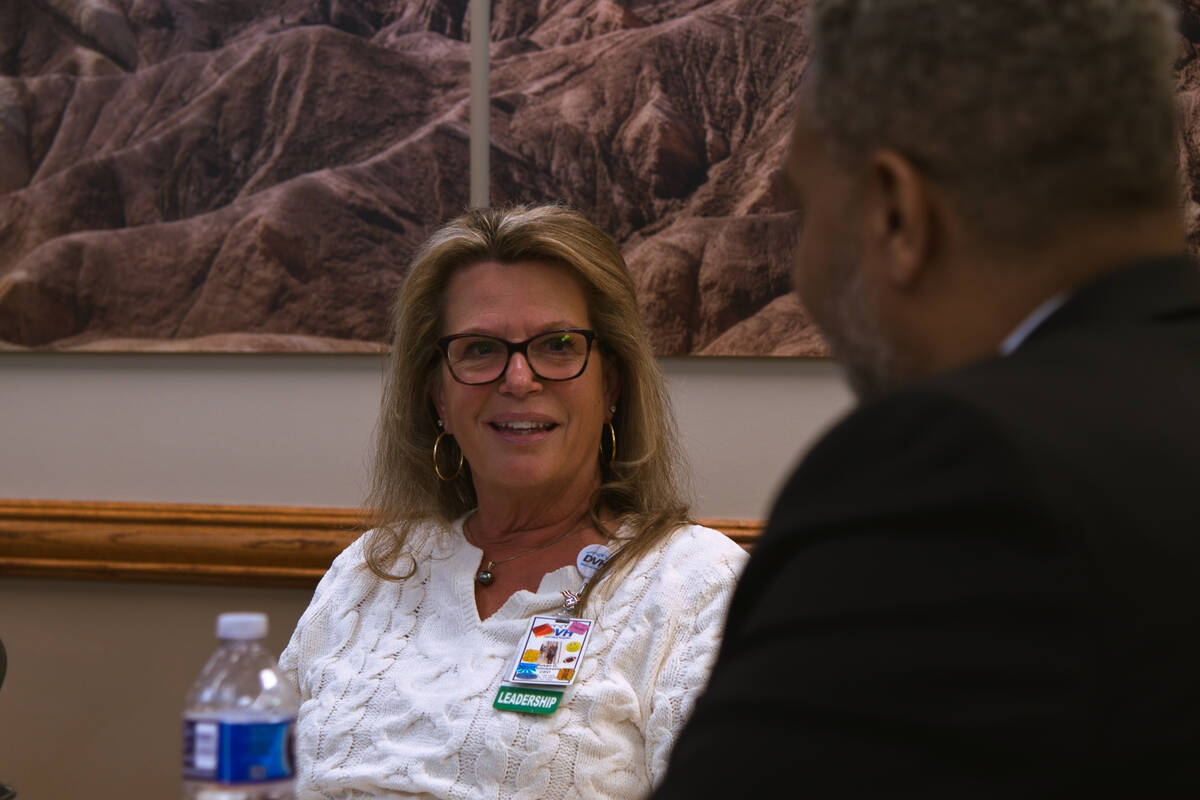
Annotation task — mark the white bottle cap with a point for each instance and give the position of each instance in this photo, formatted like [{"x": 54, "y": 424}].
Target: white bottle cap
[
  {"x": 221, "y": 794},
  {"x": 242, "y": 625}
]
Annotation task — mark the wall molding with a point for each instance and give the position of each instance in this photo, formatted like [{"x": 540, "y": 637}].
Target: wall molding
[{"x": 274, "y": 546}]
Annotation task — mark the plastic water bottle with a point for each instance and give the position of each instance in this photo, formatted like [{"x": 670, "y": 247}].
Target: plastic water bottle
[{"x": 239, "y": 720}]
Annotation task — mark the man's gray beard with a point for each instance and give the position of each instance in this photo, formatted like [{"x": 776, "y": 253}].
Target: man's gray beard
[{"x": 854, "y": 331}]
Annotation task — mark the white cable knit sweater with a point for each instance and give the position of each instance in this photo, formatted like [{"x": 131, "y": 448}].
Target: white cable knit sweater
[{"x": 397, "y": 679}]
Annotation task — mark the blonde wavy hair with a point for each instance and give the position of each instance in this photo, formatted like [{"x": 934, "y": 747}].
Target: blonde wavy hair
[{"x": 641, "y": 486}]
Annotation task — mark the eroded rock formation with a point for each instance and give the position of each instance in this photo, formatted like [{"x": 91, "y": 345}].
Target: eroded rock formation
[{"x": 227, "y": 175}]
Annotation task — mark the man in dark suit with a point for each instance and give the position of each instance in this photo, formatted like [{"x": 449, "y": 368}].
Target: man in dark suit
[{"x": 985, "y": 580}]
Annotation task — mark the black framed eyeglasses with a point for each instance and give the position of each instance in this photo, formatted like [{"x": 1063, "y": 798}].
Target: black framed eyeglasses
[{"x": 560, "y": 355}]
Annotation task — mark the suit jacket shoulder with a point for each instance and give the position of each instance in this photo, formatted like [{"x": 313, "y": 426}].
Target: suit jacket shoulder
[{"x": 983, "y": 585}]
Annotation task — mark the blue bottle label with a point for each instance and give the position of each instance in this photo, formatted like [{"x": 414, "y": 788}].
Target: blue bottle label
[{"x": 238, "y": 752}]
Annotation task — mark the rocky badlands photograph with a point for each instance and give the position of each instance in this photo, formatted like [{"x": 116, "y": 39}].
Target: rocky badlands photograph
[{"x": 254, "y": 176}]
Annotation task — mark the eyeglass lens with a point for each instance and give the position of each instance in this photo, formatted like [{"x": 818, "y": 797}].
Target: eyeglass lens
[{"x": 558, "y": 355}]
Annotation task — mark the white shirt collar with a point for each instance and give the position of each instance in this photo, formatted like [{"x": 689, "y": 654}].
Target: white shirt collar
[{"x": 1031, "y": 322}]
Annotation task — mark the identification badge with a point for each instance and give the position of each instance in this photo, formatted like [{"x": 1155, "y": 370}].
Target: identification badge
[{"x": 551, "y": 651}]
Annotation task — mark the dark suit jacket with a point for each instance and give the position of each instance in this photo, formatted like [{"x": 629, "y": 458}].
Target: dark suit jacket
[{"x": 986, "y": 584}]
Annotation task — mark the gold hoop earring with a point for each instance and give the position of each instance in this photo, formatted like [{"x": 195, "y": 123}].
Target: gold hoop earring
[
  {"x": 458, "y": 471},
  {"x": 612, "y": 442}
]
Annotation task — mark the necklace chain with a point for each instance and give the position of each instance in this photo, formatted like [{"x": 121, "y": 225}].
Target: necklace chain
[{"x": 484, "y": 576}]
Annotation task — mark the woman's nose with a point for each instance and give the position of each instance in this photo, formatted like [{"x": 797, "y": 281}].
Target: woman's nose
[{"x": 519, "y": 377}]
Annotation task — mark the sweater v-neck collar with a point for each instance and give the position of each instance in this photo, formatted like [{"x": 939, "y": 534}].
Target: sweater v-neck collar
[{"x": 463, "y": 562}]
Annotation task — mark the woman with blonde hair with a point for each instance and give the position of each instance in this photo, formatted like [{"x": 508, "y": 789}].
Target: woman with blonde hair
[{"x": 532, "y": 613}]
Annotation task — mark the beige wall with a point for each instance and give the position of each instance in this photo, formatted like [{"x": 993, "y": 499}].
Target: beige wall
[
  {"x": 97, "y": 674},
  {"x": 97, "y": 671},
  {"x": 296, "y": 430}
]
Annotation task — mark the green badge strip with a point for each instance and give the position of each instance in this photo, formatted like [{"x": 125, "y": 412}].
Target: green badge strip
[{"x": 527, "y": 700}]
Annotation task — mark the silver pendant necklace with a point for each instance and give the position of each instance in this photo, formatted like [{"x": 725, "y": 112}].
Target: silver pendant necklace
[{"x": 485, "y": 576}]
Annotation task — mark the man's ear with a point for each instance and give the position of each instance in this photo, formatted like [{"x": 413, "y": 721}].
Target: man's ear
[{"x": 901, "y": 213}]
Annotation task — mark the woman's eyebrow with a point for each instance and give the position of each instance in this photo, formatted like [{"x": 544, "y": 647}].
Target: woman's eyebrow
[{"x": 549, "y": 327}]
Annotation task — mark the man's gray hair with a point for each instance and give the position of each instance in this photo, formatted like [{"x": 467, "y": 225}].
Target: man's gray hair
[{"x": 1030, "y": 113}]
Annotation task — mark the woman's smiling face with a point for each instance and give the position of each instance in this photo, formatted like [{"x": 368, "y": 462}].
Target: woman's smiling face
[{"x": 522, "y": 433}]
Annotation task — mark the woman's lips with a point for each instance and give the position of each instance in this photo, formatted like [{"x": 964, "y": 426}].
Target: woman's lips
[{"x": 523, "y": 427}]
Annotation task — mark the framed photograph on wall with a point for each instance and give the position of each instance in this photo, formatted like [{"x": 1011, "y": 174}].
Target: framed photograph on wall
[
  {"x": 221, "y": 176},
  {"x": 198, "y": 176}
]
